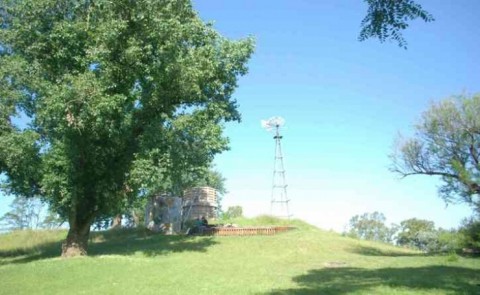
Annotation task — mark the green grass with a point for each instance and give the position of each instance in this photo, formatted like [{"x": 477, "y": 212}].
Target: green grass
[{"x": 302, "y": 261}]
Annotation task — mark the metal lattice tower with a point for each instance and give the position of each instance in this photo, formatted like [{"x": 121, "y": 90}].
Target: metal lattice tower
[{"x": 279, "y": 199}]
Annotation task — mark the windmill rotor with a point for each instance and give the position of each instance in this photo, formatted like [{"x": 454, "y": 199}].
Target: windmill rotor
[{"x": 272, "y": 123}]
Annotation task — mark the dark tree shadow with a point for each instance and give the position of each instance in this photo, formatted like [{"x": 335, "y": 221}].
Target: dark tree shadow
[
  {"x": 115, "y": 242},
  {"x": 24, "y": 255},
  {"x": 448, "y": 279},
  {"x": 149, "y": 245},
  {"x": 372, "y": 251}
]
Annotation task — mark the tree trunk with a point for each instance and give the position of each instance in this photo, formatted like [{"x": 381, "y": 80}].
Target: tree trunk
[
  {"x": 136, "y": 218},
  {"x": 77, "y": 240},
  {"x": 117, "y": 221}
]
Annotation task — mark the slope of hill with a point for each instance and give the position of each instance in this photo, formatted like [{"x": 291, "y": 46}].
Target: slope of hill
[{"x": 303, "y": 261}]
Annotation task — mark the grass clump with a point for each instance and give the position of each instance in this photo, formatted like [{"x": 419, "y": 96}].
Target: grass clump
[{"x": 453, "y": 257}]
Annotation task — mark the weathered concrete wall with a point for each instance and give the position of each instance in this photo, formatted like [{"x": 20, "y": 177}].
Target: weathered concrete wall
[{"x": 164, "y": 214}]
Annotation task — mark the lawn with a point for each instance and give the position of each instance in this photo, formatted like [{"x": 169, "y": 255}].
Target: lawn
[{"x": 303, "y": 261}]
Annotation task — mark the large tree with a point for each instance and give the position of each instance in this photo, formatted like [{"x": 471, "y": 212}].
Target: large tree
[
  {"x": 446, "y": 144},
  {"x": 121, "y": 96}
]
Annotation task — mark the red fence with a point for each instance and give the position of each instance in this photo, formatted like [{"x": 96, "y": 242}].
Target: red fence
[{"x": 245, "y": 231}]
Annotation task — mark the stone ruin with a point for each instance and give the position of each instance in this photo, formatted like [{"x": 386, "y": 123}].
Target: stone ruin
[{"x": 164, "y": 213}]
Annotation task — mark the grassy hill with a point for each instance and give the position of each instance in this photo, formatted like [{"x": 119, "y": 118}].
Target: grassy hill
[{"x": 303, "y": 261}]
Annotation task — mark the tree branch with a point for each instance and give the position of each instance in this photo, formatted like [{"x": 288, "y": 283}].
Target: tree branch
[{"x": 431, "y": 173}]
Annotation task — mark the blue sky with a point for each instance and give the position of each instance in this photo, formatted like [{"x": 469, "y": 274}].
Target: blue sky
[{"x": 344, "y": 102}]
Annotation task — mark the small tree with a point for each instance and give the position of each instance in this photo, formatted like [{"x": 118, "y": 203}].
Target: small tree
[
  {"x": 449, "y": 240},
  {"x": 418, "y": 233},
  {"x": 447, "y": 145},
  {"x": 370, "y": 226},
  {"x": 24, "y": 214},
  {"x": 470, "y": 233},
  {"x": 233, "y": 212}
]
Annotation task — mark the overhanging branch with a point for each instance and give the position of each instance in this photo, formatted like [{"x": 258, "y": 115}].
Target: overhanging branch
[{"x": 432, "y": 173}]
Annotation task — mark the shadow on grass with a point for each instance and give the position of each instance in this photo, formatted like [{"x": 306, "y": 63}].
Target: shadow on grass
[
  {"x": 115, "y": 242},
  {"x": 131, "y": 242},
  {"x": 28, "y": 254},
  {"x": 437, "y": 279},
  {"x": 372, "y": 251}
]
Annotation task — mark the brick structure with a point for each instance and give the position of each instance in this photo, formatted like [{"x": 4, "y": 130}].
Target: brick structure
[{"x": 198, "y": 202}]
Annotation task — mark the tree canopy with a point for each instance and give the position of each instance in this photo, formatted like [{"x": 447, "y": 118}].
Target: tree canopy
[
  {"x": 446, "y": 144},
  {"x": 123, "y": 97}
]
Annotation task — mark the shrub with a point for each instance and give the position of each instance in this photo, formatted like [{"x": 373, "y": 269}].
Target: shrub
[{"x": 470, "y": 233}]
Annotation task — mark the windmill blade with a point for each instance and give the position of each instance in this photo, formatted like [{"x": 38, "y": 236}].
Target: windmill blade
[
  {"x": 273, "y": 122},
  {"x": 265, "y": 124}
]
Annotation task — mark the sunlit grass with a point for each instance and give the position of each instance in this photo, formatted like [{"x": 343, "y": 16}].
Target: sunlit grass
[
  {"x": 266, "y": 220},
  {"x": 303, "y": 261}
]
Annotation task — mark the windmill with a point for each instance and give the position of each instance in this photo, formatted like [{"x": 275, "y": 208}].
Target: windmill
[{"x": 279, "y": 199}]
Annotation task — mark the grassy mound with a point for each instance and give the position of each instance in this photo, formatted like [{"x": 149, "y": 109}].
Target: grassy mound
[
  {"x": 266, "y": 220},
  {"x": 304, "y": 261}
]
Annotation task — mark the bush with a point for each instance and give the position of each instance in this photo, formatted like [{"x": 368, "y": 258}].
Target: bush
[
  {"x": 449, "y": 240},
  {"x": 370, "y": 226},
  {"x": 470, "y": 233},
  {"x": 232, "y": 212}
]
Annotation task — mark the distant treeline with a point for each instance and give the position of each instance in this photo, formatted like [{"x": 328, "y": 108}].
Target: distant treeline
[{"x": 416, "y": 233}]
